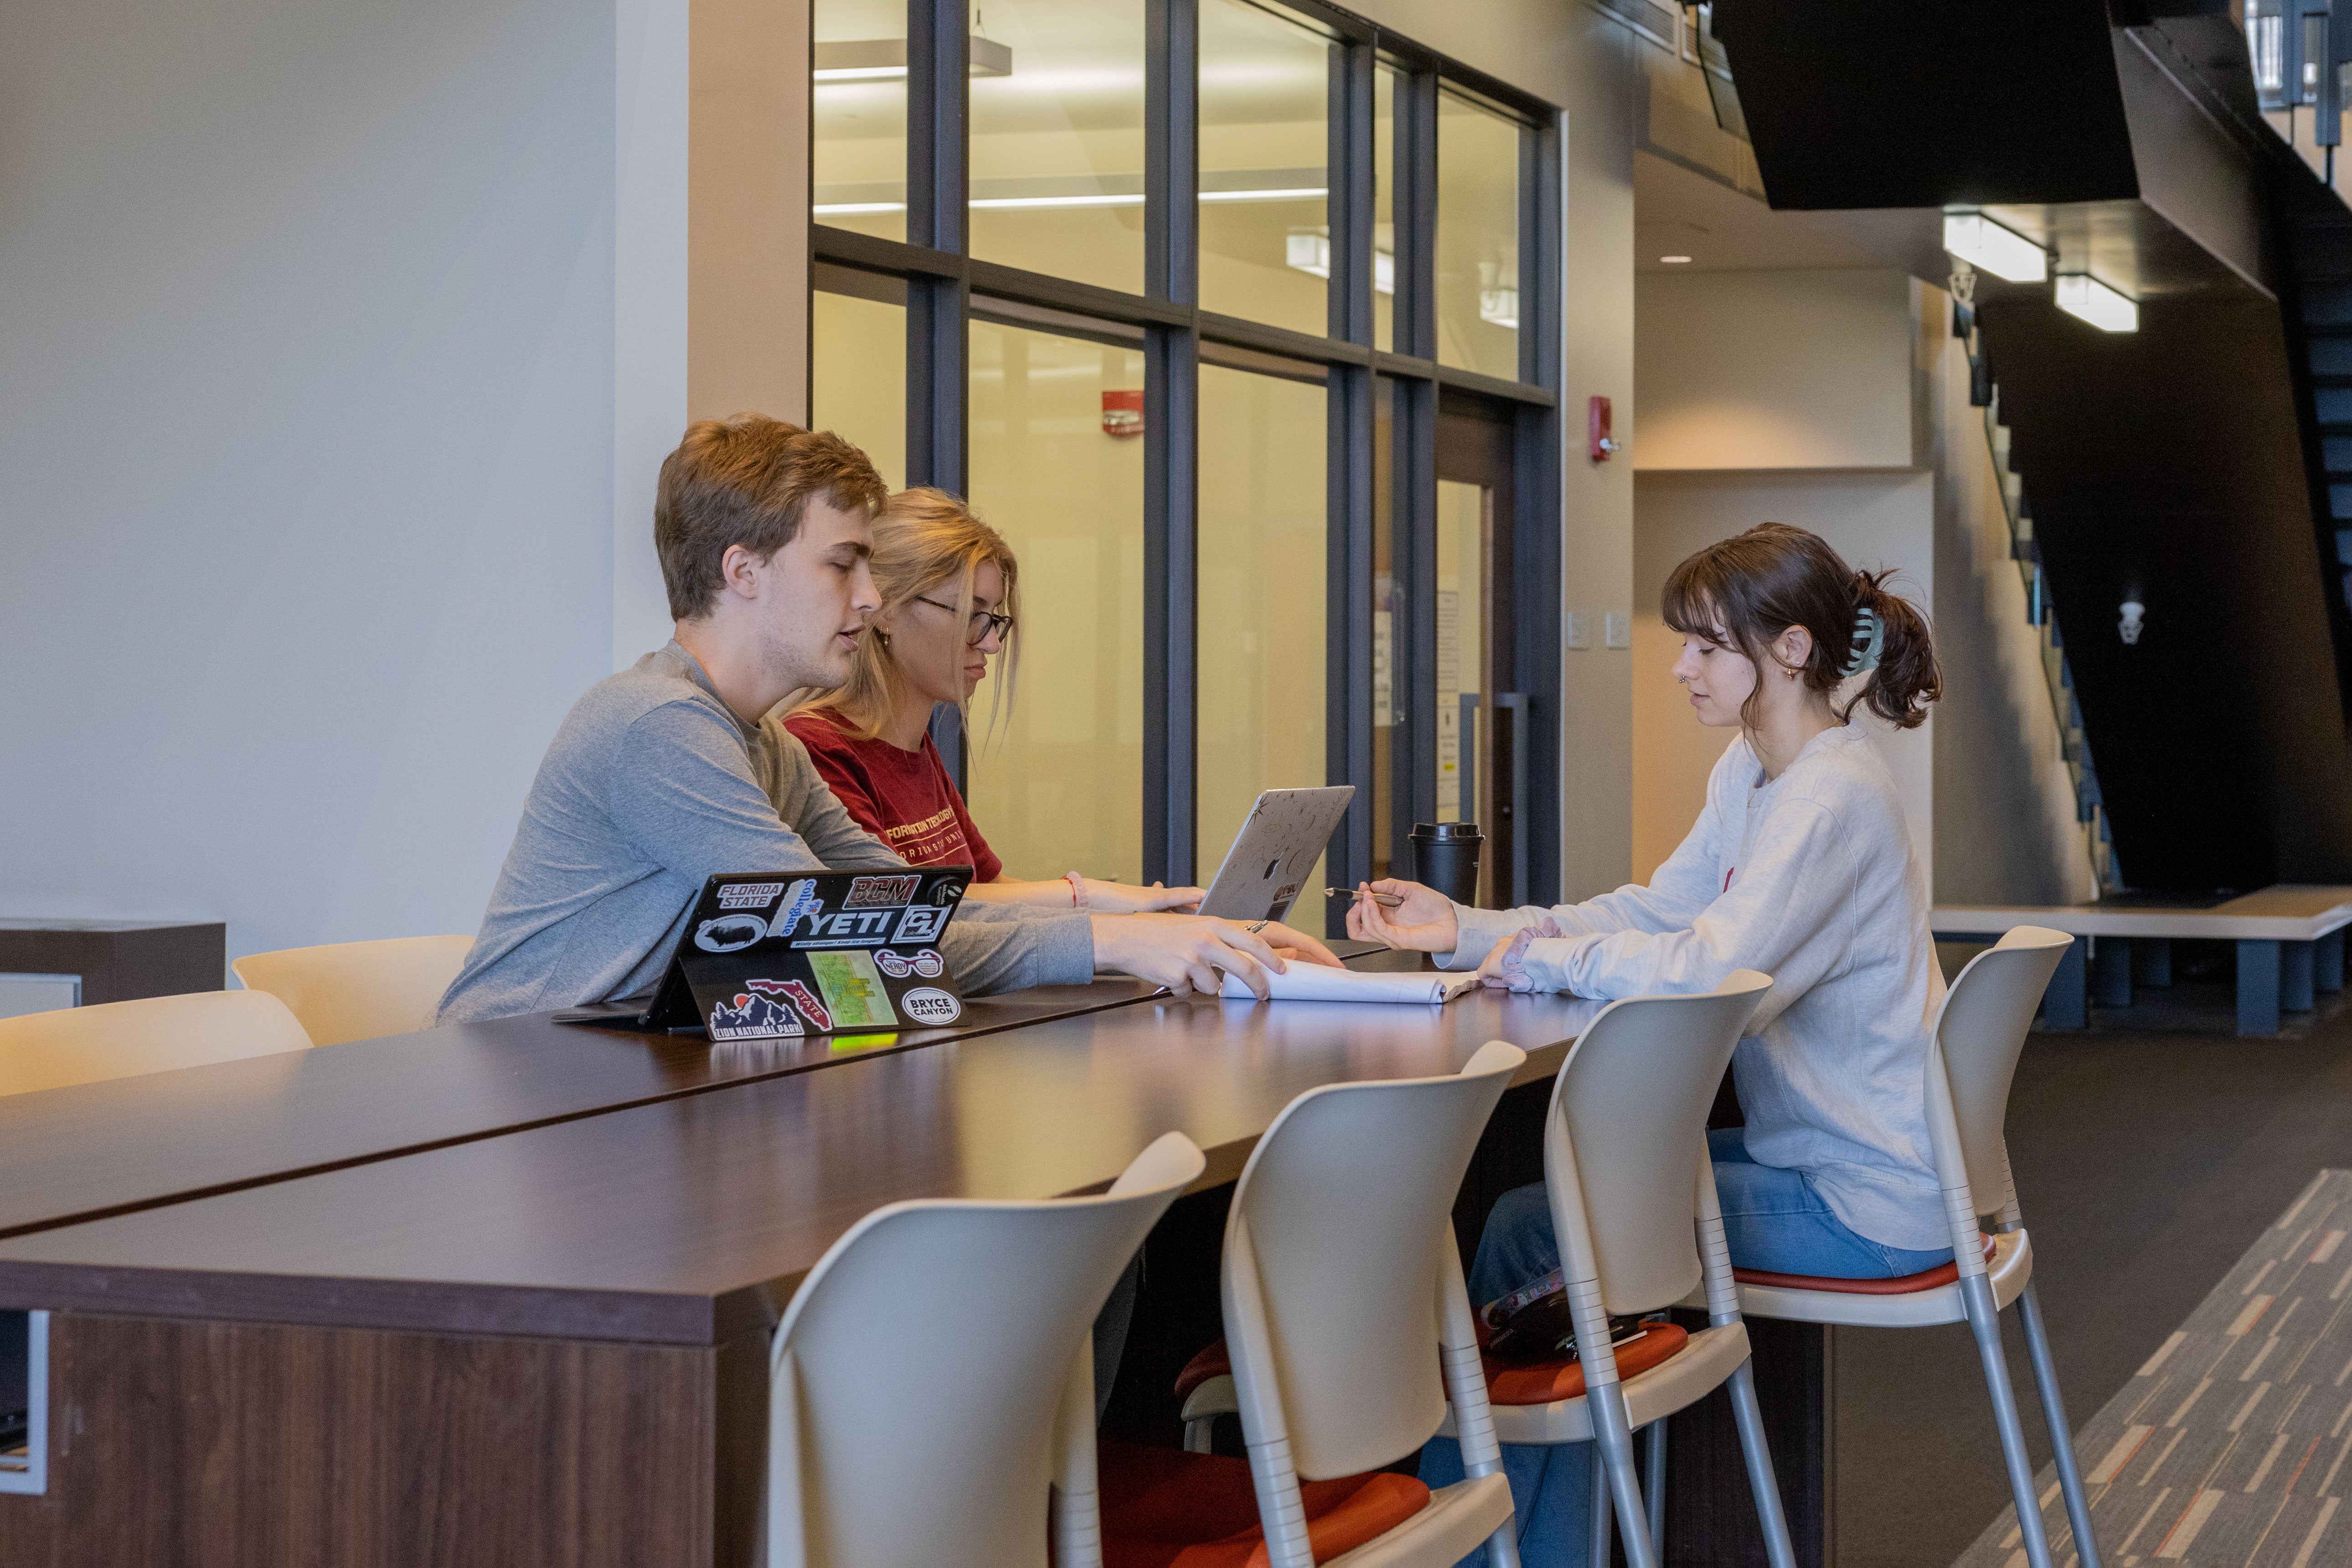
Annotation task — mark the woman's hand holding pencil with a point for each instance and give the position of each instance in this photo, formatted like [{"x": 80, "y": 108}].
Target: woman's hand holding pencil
[{"x": 1403, "y": 914}]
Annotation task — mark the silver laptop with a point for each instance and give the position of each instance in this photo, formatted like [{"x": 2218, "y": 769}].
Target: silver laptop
[{"x": 1264, "y": 871}]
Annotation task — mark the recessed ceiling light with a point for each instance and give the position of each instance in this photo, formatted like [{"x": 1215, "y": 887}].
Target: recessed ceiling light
[{"x": 1674, "y": 260}]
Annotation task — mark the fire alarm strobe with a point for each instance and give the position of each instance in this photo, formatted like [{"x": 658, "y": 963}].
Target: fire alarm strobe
[
  {"x": 1122, "y": 413},
  {"x": 1597, "y": 430}
]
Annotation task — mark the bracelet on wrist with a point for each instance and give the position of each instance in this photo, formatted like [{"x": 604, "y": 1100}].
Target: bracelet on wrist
[{"x": 1077, "y": 889}]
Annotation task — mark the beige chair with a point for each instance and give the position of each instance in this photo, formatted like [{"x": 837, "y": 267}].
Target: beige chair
[
  {"x": 930, "y": 1387},
  {"x": 123, "y": 1039},
  {"x": 359, "y": 990},
  {"x": 1978, "y": 1036},
  {"x": 1340, "y": 1279}
]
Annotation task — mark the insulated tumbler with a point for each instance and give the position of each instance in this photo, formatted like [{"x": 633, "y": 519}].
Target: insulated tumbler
[{"x": 1445, "y": 857}]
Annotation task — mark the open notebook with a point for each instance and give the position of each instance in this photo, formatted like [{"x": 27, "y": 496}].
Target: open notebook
[{"x": 1315, "y": 982}]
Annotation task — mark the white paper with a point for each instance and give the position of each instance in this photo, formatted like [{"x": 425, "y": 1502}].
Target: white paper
[{"x": 1316, "y": 983}]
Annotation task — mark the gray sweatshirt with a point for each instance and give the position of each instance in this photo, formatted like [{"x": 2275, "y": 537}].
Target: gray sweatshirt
[
  {"x": 653, "y": 784},
  {"x": 1810, "y": 879}
]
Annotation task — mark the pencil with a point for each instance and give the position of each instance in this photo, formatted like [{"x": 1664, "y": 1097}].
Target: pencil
[{"x": 1386, "y": 901}]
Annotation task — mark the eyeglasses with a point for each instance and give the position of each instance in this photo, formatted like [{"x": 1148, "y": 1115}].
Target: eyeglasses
[{"x": 982, "y": 625}]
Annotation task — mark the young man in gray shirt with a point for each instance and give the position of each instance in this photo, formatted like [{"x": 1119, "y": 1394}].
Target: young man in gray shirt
[{"x": 661, "y": 775}]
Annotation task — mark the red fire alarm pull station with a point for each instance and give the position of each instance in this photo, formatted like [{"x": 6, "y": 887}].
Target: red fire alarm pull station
[
  {"x": 1122, "y": 413},
  {"x": 1596, "y": 430}
]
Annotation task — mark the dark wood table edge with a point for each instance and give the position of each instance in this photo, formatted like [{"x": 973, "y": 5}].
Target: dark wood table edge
[
  {"x": 476, "y": 1310},
  {"x": 924, "y": 1040}
]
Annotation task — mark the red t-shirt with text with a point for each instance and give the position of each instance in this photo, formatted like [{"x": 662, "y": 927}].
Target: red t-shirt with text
[{"x": 904, "y": 798}]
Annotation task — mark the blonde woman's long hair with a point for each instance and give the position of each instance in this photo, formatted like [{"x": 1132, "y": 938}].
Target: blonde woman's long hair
[{"x": 925, "y": 540}]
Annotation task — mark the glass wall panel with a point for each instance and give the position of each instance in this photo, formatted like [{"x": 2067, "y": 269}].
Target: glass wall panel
[
  {"x": 1463, "y": 534},
  {"x": 1057, "y": 138},
  {"x": 1383, "y": 208},
  {"x": 858, "y": 376},
  {"x": 1059, "y": 785},
  {"x": 1478, "y": 238},
  {"x": 1265, "y": 240},
  {"x": 858, "y": 115},
  {"x": 1263, "y": 550}
]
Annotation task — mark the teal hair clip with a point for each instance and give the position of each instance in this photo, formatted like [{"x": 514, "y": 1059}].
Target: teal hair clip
[{"x": 1869, "y": 637}]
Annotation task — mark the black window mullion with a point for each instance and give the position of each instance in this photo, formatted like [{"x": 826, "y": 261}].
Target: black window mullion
[
  {"x": 1171, "y": 442},
  {"x": 937, "y": 376},
  {"x": 1352, "y": 201},
  {"x": 1537, "y": 564},
  {"x": 1348, "y": 601},
  {"x": 1412, "y": 744}
]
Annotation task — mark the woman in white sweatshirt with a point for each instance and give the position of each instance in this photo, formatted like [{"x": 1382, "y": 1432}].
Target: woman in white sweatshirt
[{"x": 1801, "y": 866}]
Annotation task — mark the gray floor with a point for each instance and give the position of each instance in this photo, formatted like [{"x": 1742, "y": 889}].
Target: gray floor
[{"x": 2150, "y": 1153}]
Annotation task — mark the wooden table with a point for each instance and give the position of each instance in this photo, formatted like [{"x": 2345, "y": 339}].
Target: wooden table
[
  {"x": 92, "y": 1150},
  {"x": 550, "y": 1345},
  {"x": 2290, "y": 942}
]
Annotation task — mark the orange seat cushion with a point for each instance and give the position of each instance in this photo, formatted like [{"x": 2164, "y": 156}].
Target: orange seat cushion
[
  {"x": 1214, "y": 1361},
  {"x": 1900, "y": 1285},
  {"x": 1165, "y": 1509},
  {"x": 1542, "y": 1381}
]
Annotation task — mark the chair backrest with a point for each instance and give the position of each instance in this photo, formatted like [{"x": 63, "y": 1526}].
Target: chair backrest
[
  {"x": 916, "y": 1378},
  {"x": 155, "y": 1033},
  {"x": 1628, "y": 1116},
  {"x": 1978, "y": 1035},
  {"x": 1332, "y": 1246},
  {"x": 359, "y": 990}
]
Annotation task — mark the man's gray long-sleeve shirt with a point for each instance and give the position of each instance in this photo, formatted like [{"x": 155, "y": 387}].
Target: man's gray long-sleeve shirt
[{"x": 651, "y": 785}]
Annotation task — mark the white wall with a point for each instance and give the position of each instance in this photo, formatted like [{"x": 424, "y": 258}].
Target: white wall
[
  {"x": 2005, "y": 826},
  {"x": 305, "y": 449},
  {"x": 1802, "y": 369}
]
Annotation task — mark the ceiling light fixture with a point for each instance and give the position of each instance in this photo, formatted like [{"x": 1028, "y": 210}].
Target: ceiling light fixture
[
  {"x": 1675, "y": 260},
  {"x": 2083, "y": 296},
  {"x": 2005, "y": 253},
  {"x": 1308, "y": 250},
  {"x": 884, "y": 60}
]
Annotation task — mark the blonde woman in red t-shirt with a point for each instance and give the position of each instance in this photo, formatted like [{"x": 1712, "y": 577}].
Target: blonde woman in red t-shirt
[{"x": 950, "y": 588}]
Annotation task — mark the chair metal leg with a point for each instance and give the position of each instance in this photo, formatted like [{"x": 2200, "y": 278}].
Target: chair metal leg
[
  {"x": 1984, "y": 1322},
  {"x": 1779, "y": 1550},
  {"x": 1657, "y": 1484},
  {"x": 1602, "y": 1511},
  {"x": 1198, "y": 1433},
  {"x": 1503, "y": 1546},
  {"x": 2062, "y": 1438},
  {"x": 1613, "y": 1431}
]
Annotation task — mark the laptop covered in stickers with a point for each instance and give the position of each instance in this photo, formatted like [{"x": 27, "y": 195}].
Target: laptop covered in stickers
[{"x": 764, "y": 956}]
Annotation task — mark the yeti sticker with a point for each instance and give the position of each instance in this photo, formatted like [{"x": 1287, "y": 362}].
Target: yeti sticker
[
  {"x": 758, "y": 1011},
  {"x": 921, "y": 922},
  {"x": 727, "y": 932},
  {"x": 928, "y": 1005}
]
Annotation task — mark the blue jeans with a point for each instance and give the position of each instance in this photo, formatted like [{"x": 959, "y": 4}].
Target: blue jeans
[{"x": 1774, "y": 1219}]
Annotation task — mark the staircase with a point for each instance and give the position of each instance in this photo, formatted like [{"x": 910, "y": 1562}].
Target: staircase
[
  {"x": 2319, "y": 306},
  {"x": 2098, "y": 843}
]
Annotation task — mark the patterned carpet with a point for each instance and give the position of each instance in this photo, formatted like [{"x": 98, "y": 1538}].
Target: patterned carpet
[{"x": 2229, "y": 1448}]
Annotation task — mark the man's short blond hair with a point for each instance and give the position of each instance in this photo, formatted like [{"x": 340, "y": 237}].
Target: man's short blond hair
[{"x": 746, "y": 480}]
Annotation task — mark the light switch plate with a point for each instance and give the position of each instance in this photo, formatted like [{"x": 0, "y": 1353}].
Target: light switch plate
[
  {"x": 1579, "y": 629},
  {"x": 1617, "y": 628}
]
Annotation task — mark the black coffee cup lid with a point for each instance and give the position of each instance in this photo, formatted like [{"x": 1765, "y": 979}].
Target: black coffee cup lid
[{"x": 1443, "y": 830}]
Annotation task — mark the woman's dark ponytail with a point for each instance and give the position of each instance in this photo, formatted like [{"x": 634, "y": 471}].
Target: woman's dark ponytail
[{"x": 1907, "y": 676}]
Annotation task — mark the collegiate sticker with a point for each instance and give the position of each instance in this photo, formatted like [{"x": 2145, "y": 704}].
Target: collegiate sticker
[
  {"x": 921, "y": 922},
  {"x": 891, "y": 964},
  {"x": 749, "y": 895},
  {"x": 725, "y": 933},
  {"x": 758, "y": 1011},
  {"x": 929, "y": 964},
  {"x": 928, "y": 1005},
  {"x": 802, "y": 900},
  {"x": 880, "y": 892},
  {"x": 852, "y": 989}
]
